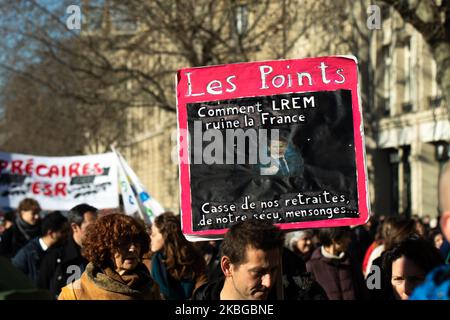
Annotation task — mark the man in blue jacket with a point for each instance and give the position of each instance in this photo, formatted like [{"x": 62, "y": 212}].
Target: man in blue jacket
[
  {"x": 285, "y": 158},
  {"x": 437, "y": 283},
  {"x": 55, "y": 229}
]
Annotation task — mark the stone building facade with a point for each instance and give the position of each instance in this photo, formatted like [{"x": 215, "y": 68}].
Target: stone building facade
[
  {"x": 414, "y": 130},
  {"x": 411, "y": 142}
]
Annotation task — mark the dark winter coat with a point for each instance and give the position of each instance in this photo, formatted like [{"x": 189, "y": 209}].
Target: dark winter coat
[
  {"x": 298, "y": 284},
  {"x": 12, "y": 240},
  {"x": 384, "y": 291},
  {"x": 14, "y": 285},
  {"x": 213, "y": 270},
  {"x": 341, "y": 279},
  {"x": 360, "y": 242},
  {"x": 28, "y": 259},
  {"x": 210, "y": 291},
  {"x": 60, "y": 265}
]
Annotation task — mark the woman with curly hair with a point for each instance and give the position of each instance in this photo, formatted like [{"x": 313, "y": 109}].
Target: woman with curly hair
[
  {"x": 114, "y": 246},
  {"x": 177, "y": 267}
]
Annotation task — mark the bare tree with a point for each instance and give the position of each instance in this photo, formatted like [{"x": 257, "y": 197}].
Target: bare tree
[
  {"x": 140, "y": 44},
  {"x": 432, "y": 19},
  {"x": 37, "y": 120},
  {"x": 127, "y": 53},
  {"x": 345, "y": 32}
]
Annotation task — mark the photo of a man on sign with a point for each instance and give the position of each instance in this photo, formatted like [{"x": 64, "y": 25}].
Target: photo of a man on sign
[{"x": 285, "y": 159}]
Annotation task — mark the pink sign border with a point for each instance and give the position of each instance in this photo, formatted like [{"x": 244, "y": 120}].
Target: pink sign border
[{"x": 348, "y": 62}]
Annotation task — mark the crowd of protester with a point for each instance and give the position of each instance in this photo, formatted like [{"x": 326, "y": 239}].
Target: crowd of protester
[{"x": 85, "y": 254}]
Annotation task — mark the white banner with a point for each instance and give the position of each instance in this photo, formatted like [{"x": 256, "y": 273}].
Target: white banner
[{"x": 59, "y": 183}]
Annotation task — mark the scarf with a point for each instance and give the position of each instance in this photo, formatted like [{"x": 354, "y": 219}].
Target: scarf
[
  {"x": 331, "y": 256},
  {"x": 27, "y": 230},
  {"x": 171, "y": 288},
  {"x": 134, "y": 283}
]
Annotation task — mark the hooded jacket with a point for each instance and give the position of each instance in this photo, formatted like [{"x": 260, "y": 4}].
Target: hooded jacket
[{"x": 340, "y": 277}]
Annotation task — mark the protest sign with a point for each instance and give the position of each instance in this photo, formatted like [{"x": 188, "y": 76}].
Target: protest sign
[
  {"x": 59, "y": 183},
  {"x": 273, "y": 140}
]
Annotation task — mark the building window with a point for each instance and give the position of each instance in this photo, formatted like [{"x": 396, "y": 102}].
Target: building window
[
  {"x": 95, "y": 15},
  {"x": 435, "y": 98},
  {"x": 408, "y": 97},
  {"x": 241, "y": 19},
  {"x": 385, "y": 11},
  {"x": 406, "y": 181},
  {"x": 122, "y": 20},
  {"x": 442, "y": 154},
  {"x": 385, "y": 52},
  {"x": 394, "y": 160},
  {"x": 442, "y": 151},
  {"x": 434, "y": 86},
  {"x": 435, "y": 101}
]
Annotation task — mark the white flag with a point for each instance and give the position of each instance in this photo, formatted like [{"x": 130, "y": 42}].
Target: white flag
[
  {"x": 130, "y": 203},
  {"x": 151, "y": 207}
]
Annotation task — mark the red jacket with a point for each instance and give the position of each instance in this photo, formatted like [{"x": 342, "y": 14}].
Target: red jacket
[{"x": 367, "y": 255}]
